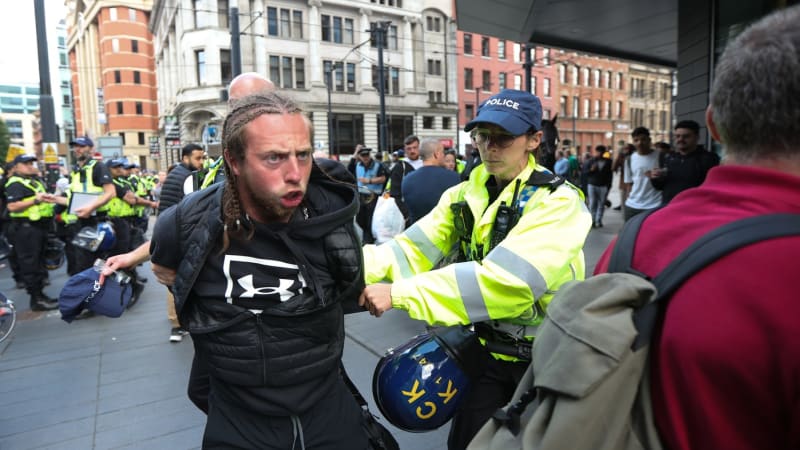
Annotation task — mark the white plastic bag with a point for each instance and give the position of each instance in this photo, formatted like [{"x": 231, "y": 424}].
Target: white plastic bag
[{"x": 387, "y": 220}]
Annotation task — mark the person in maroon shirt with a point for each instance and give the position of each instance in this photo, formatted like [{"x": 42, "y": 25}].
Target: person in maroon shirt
[{"x": 726, "y": 365}]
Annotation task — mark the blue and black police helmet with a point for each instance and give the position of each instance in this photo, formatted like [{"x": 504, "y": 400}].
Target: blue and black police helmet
[
  {"x": 100, "y": 238},
  {"x": 419, "y": 385},
  {"x": 53, "y": 253}
]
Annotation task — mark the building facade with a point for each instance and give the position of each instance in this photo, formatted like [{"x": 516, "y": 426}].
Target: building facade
[
  {"x": 113, "y": 77},
  {"x": 592, "y": 101},
  {"x": 18, "y": 103},
  {"x": 650, "y": 97},
  {"x": 488, "y": 65},
  {"x": 320, "y": 52}
]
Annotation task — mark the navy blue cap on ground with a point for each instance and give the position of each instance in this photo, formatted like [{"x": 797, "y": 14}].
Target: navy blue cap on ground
[
  {"x": 83, "y": 290},
  {"x": 513, "y": 110}
]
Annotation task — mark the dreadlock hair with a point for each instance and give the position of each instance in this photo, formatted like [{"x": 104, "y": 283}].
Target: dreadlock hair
[{"x": 234, "y": 142}]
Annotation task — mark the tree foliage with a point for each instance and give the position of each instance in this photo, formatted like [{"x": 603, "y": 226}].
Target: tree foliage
[{"x": 5, "y": 140}]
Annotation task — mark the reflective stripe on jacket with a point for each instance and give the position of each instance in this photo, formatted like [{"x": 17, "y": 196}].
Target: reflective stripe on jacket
[{"x": 513, "y": 283}]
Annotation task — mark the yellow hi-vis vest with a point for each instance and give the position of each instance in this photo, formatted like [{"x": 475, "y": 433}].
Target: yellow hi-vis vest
[
  {"x": 509, "y": 286},
  {"x": 119, "y": 207},
  {"x": 34, "y": 212},
  {"x": 81, "y": 181}
]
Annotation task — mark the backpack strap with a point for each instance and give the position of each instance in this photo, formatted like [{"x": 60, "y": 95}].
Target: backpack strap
[
  {"x": 621, "y": 258},
  {"x": 709, "y": 248}
]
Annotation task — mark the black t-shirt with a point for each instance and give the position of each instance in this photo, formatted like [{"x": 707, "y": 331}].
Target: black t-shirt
[
  {"x": 254, "y": 273},
  {"x": 121, "y": 190},
  {"x": 17, "y": 191}
]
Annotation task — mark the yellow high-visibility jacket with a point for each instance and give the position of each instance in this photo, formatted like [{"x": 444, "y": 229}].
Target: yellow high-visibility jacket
[{"x": 511, "y": 286}]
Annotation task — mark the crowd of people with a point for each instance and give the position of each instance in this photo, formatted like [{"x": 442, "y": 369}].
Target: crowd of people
[{"x": 263, "y": 261}]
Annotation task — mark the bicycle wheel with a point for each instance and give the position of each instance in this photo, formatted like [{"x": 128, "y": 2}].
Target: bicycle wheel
[{"x": 8, "y": 318}]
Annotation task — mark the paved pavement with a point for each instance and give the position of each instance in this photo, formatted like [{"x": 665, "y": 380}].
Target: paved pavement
[{"x": 108, "y": 383}]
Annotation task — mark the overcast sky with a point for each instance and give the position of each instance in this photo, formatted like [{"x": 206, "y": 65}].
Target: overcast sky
[{"x": 19, "y": 61}]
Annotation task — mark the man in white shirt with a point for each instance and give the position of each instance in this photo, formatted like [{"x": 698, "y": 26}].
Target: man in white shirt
[{"x": 643, "y": 196}]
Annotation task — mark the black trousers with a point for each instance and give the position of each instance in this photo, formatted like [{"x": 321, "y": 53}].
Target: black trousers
[
  {"x": 333, "y": 424},
  {"x": 29, "y": 240},
  {"x": 491, "y": 391}
]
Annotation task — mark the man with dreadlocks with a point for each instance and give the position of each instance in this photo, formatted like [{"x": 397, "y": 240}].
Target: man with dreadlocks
[{"x": 261, "y": 267}]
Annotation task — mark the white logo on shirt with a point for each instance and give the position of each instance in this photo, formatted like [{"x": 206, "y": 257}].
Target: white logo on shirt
[{"x": 240, "y": 278}]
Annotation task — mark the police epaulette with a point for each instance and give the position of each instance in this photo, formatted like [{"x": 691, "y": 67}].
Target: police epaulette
[{"x": 548, "y": 179}]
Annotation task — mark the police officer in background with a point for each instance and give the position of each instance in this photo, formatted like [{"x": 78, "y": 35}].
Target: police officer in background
[
  {"x": 90, "y": 177},
  {"x": 520, "y": 230},
  {"x": 31, "y": 211}
]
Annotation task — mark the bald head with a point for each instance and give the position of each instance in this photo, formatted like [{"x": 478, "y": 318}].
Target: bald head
[
  {"x": 248, "y": 83},
  {"x": 431, "y": 151}
]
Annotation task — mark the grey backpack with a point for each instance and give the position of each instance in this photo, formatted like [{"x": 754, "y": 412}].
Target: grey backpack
[{"x": 588, "y": 385}]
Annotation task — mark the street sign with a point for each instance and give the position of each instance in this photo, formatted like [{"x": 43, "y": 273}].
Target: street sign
[
  {"x": 101, "y": 107},
  {"x": 155, "y": 147},
  {"x": 14, "y": 151},
  {"x": 50, "y": 153},
  {"x": 110, "y": 146}
]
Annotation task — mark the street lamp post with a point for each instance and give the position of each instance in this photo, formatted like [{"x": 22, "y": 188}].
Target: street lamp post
[{"x": 328, "y": 82}]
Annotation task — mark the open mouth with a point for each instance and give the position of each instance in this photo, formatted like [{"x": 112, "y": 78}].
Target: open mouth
[{"x": 292, "y": 199}]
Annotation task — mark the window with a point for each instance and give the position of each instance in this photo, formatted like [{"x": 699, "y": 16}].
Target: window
[
  {"x": 285, "y": 23},
  {"x": 501, "y": 80},
  {"x": 467, "y": 44},
  {"x": 486, "y": 83},
  {"x": 139, "y": 109},
  {"x": 617, "y": 80},
  {"x": 546, "y": 114},
  {"x": 596, "y": 77},
  {"x": 546, "y": 56},
  {"x": 484, "y": 46},
  {"x": 596, "y": 110},
  {"x": 62, "y": 41},
  {"x": 662, "y": 120},
  {"x": 518, "y": 82},
  {"x": 351, "y": 77},
  {"x": 562, "y": 74},
  {"x": 338, "y": 83},
  {"x": 200, "y": 66},
  {"x": 469, "y": 111},
  {"x": 607, "y": 109},
  {"x": 391, "y": 81},
  {"x": 586, "y": 107},
  {"x": 112, "y": 14},
  {"x": 222, "y": 13},
  {"x": 501, "y": 49},
  {"x": 122, "y": 135},
  {"x": 134, "y": 46},
  {"x": 607, "y": 80},
  {"x": 115, "y": 45},
  {"x": 119, "y": 108},
  {"x": 585, "y": 75},
  {"x": 225, "y": 69},
  {"x": 62, "y": 60},
  {"x": 197, "y": 6},
  {"x": 437, "y": 24},
  {"x": 562, "y": 105},
  {"x": 287, "y": 72},
  {"x": 132, "y": 14},
  {"x": 140, "y": 138},
  {"x": 347, "y": 32},
  {"x": 445, "y": 123},
  {"x": 297, "y": 24},
  {"x": 66, "y": 100},
  {"x": 468, "y": 82},
  {"x": 137, "y": 77},
  {"x": 431, "y": 96},
  {"x": 429, "y": 23},
  {"x": 272, "y": 21},
  {"x": 390, "y": 36},
  {"x": 573, "y": 72},
  {"x": 117, "y": 76},
  {"x": 546, "y": 87},
  {"x": 434, "y": 67},
  {"x": 533, "y": 85},
  {"x": 427, "y": 122},
  {"x": 619, "y": 110},
  {"x": 574, "y": 106}
]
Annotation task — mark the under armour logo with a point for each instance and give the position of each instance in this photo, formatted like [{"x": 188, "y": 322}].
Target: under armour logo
[
  {"x": 261, "y": 279},
  {"x": 250, "y": 291}
]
